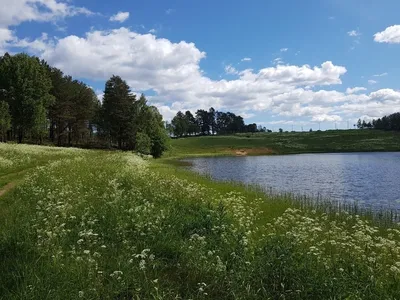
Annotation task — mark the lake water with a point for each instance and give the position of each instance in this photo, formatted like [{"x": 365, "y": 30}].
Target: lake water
[{"x": 371, "y": 179}]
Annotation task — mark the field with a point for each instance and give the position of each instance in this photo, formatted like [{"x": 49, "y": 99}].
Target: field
[
  {"x": 110, "y": 225},
  {"x": 287, "y": 143}
]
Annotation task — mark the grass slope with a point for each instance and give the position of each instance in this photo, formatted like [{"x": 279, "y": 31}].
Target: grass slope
[
  {"x": 286, "y": 143},
  {"x": 101, "y": 225}
]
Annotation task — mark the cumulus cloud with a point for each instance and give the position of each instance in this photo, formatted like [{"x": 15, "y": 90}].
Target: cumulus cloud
[
  {"x": 172, "y": 71},
  {"x": 378, "y": 104},
  {"x": 390, "y": 35},
  {"x": 355, "y": 90},
  {"x": 120, "y": 17},
  {"x": 284, "y": 49},
  {"x": 18, "y": 11},
  {"x": 246, "y": 59}
]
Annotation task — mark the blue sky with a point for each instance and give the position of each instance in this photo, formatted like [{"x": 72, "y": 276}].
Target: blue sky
[{"x": 278, "y": 63}]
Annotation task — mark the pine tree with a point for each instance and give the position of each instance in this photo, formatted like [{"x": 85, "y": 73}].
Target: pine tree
[
  {"x": 26, "y": 86},
  {"x": 117, "y": 111},
  {"x": 5, "y": 120}
]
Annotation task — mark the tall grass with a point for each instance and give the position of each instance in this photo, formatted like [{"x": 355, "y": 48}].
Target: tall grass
[{"x": 114, "y": 226}]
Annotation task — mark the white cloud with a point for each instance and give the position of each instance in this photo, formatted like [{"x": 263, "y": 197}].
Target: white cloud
[
  {"x": 246, "y": 115},
  {"x": 277, "y": 61},
  {"x": 229, "y": 69},
  {"x": 37, "y": 46},
  {"x": 354, "y": 33},
  {"x": 326, "y": 118},
  {"x": 18, "y": 11},
  {"x": 246, "y": 59},
  {"x": 6, "y": 35},
  {"x": 172, "y": 71},
  {"x": 145, "y": 61},
  {"x": 355, "y": 90},
  {"x": 390, "y": 35},
  {"x": 120, "y": 17},
  {"x": 327, "y": 74},
  {"x": 381, "y": 75},
  {"x": 371, "y": 81},
  {"x": 379, "y": 103},
  {"x": 152, "y": 30},
  {"x": 170, "y": 11},
  {"x": 284, "y": 49},
  {"x": 386, "y": 95},
  {"x": 15, "y": 12}
]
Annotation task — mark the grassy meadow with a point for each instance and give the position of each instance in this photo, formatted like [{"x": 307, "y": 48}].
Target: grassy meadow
[
  {"x": 286, "y": 143},
  {"x": 85, "y": 224}
]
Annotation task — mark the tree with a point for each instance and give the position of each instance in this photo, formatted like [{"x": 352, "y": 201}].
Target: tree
[
  {"x": 180, "y": 124},
  {"x": 191, "y": 123},
  {"x": 117, "y": 111},
  {"x": 364, "y": 124},
  {"x": 149, "y": 121},
  {"x": 26, "y": 87},
  {"x": 159, "y": 142},
  {"x": 211, "y": 120},
  {"x": 143, "y": 143},
  {"x": 359, "y": 124},
  {"x": 75, "y": 110},
  {"x": 5, "y": 120},
  {"x": 391, "y": 122},
  {"x": 280, "y": 130},
  {"x": 251, "y": 128},
  {"x": 203, "y": 119},
  {"x": 37, "y": 100}
]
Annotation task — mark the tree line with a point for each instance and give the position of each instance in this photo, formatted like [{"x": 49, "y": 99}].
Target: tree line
[
  {"x": 38, "y": 103},
  {"x": 390, "y": 123},
  {"x": 209, "y": 122}
]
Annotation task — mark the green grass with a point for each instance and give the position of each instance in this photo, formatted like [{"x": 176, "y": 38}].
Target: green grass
[
  {"x": 110, "y": 225},
  {"x": 287, "y": 143},
  {"x": 16, "y": 160}
]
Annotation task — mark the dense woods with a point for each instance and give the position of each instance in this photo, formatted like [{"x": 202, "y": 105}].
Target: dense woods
[
  {"x": 209, "y": 122},
  {"x": 389, "y": 123},
  {"x": 40, "y": 104}
]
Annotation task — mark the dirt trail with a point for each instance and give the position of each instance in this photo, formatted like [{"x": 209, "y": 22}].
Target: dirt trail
[{"x": 7, "y": 188}]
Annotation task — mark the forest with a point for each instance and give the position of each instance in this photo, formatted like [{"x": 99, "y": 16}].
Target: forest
[
  {"x": 209, "y": 122},
  {"x": 388, "y": 123},
  {"x": 39, "y": 104}
]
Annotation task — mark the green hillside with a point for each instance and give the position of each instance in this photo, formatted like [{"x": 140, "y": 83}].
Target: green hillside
[{"x": 286, "y": 143}]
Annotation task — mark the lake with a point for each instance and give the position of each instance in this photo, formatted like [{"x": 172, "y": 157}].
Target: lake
[{"x": 371, "y": 179}]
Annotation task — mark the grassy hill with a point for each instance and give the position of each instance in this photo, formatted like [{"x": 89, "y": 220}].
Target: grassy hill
[{"x": 286, "y": 143}]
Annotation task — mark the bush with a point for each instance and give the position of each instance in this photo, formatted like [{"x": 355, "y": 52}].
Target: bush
[{"x": 143, "y": 143}]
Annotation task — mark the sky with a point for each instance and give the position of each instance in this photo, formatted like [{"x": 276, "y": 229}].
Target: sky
[{"x": 283, "y": 64}]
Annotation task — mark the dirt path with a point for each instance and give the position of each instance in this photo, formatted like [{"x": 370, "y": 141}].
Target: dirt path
[{"x": 7, "y": 188}]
